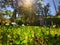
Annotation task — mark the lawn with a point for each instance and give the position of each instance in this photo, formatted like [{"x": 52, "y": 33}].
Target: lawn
[{"x": 29, "y": 35}]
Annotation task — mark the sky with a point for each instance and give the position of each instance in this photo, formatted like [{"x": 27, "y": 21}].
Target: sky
[
  {"x": 52, "y": 9},
  {"x": 53, "y": 12}
]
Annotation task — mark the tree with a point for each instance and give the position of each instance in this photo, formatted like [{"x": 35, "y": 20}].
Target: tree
[
  {"x": 58, "y": 13},
  {"x": 46, "y": 9},
  {"x": 54, "y": 6},
  {"x": 13, "y": 4},
  {"x": 46, "y": 13},
  {"x": 26, "y": 11},
  {"x": 28, "y": 14}
]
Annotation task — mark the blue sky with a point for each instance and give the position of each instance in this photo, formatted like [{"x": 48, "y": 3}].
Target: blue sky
[
  {"x": 52, "y": 9},
  {"x": 53, "y": 12},
  {"x": 9, "y": 8}
]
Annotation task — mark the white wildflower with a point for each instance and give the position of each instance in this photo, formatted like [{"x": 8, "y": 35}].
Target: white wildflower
[
  {"x": 54, "y": 26},
  {"x": 13, "y": 23},
  {"x": 23, "y": 25},
  {"x": 7, "y": 24}
]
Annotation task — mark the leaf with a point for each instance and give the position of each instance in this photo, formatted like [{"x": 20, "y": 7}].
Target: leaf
[
  {"x": 17, "y": 42},
  {"x": 24, "y": 41}
]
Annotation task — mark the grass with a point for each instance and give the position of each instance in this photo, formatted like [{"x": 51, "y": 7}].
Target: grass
[{"x": 29, "y": 35}]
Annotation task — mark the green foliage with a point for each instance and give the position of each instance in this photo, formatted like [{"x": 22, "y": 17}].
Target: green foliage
[
  {"x": 27, "y": 15},
  {"x": 53, "y": 21},
  {"x": 28, "y": 35},
  {"x": 8, "y": 12}
]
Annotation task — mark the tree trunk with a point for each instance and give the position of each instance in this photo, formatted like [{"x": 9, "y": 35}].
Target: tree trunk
[
  {"x": 14, "y": 15},
  {"x": 54, "y": 6}
]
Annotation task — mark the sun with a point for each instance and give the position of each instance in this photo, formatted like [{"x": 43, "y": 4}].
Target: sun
[{"x": 27, "y": 3}]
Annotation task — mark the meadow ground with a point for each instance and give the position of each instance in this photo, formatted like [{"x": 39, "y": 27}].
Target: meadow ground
[{"x": 29, "y": 35}]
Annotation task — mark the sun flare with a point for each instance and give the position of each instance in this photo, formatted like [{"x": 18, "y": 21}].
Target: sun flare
[{"x": 27, "y": 3}]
